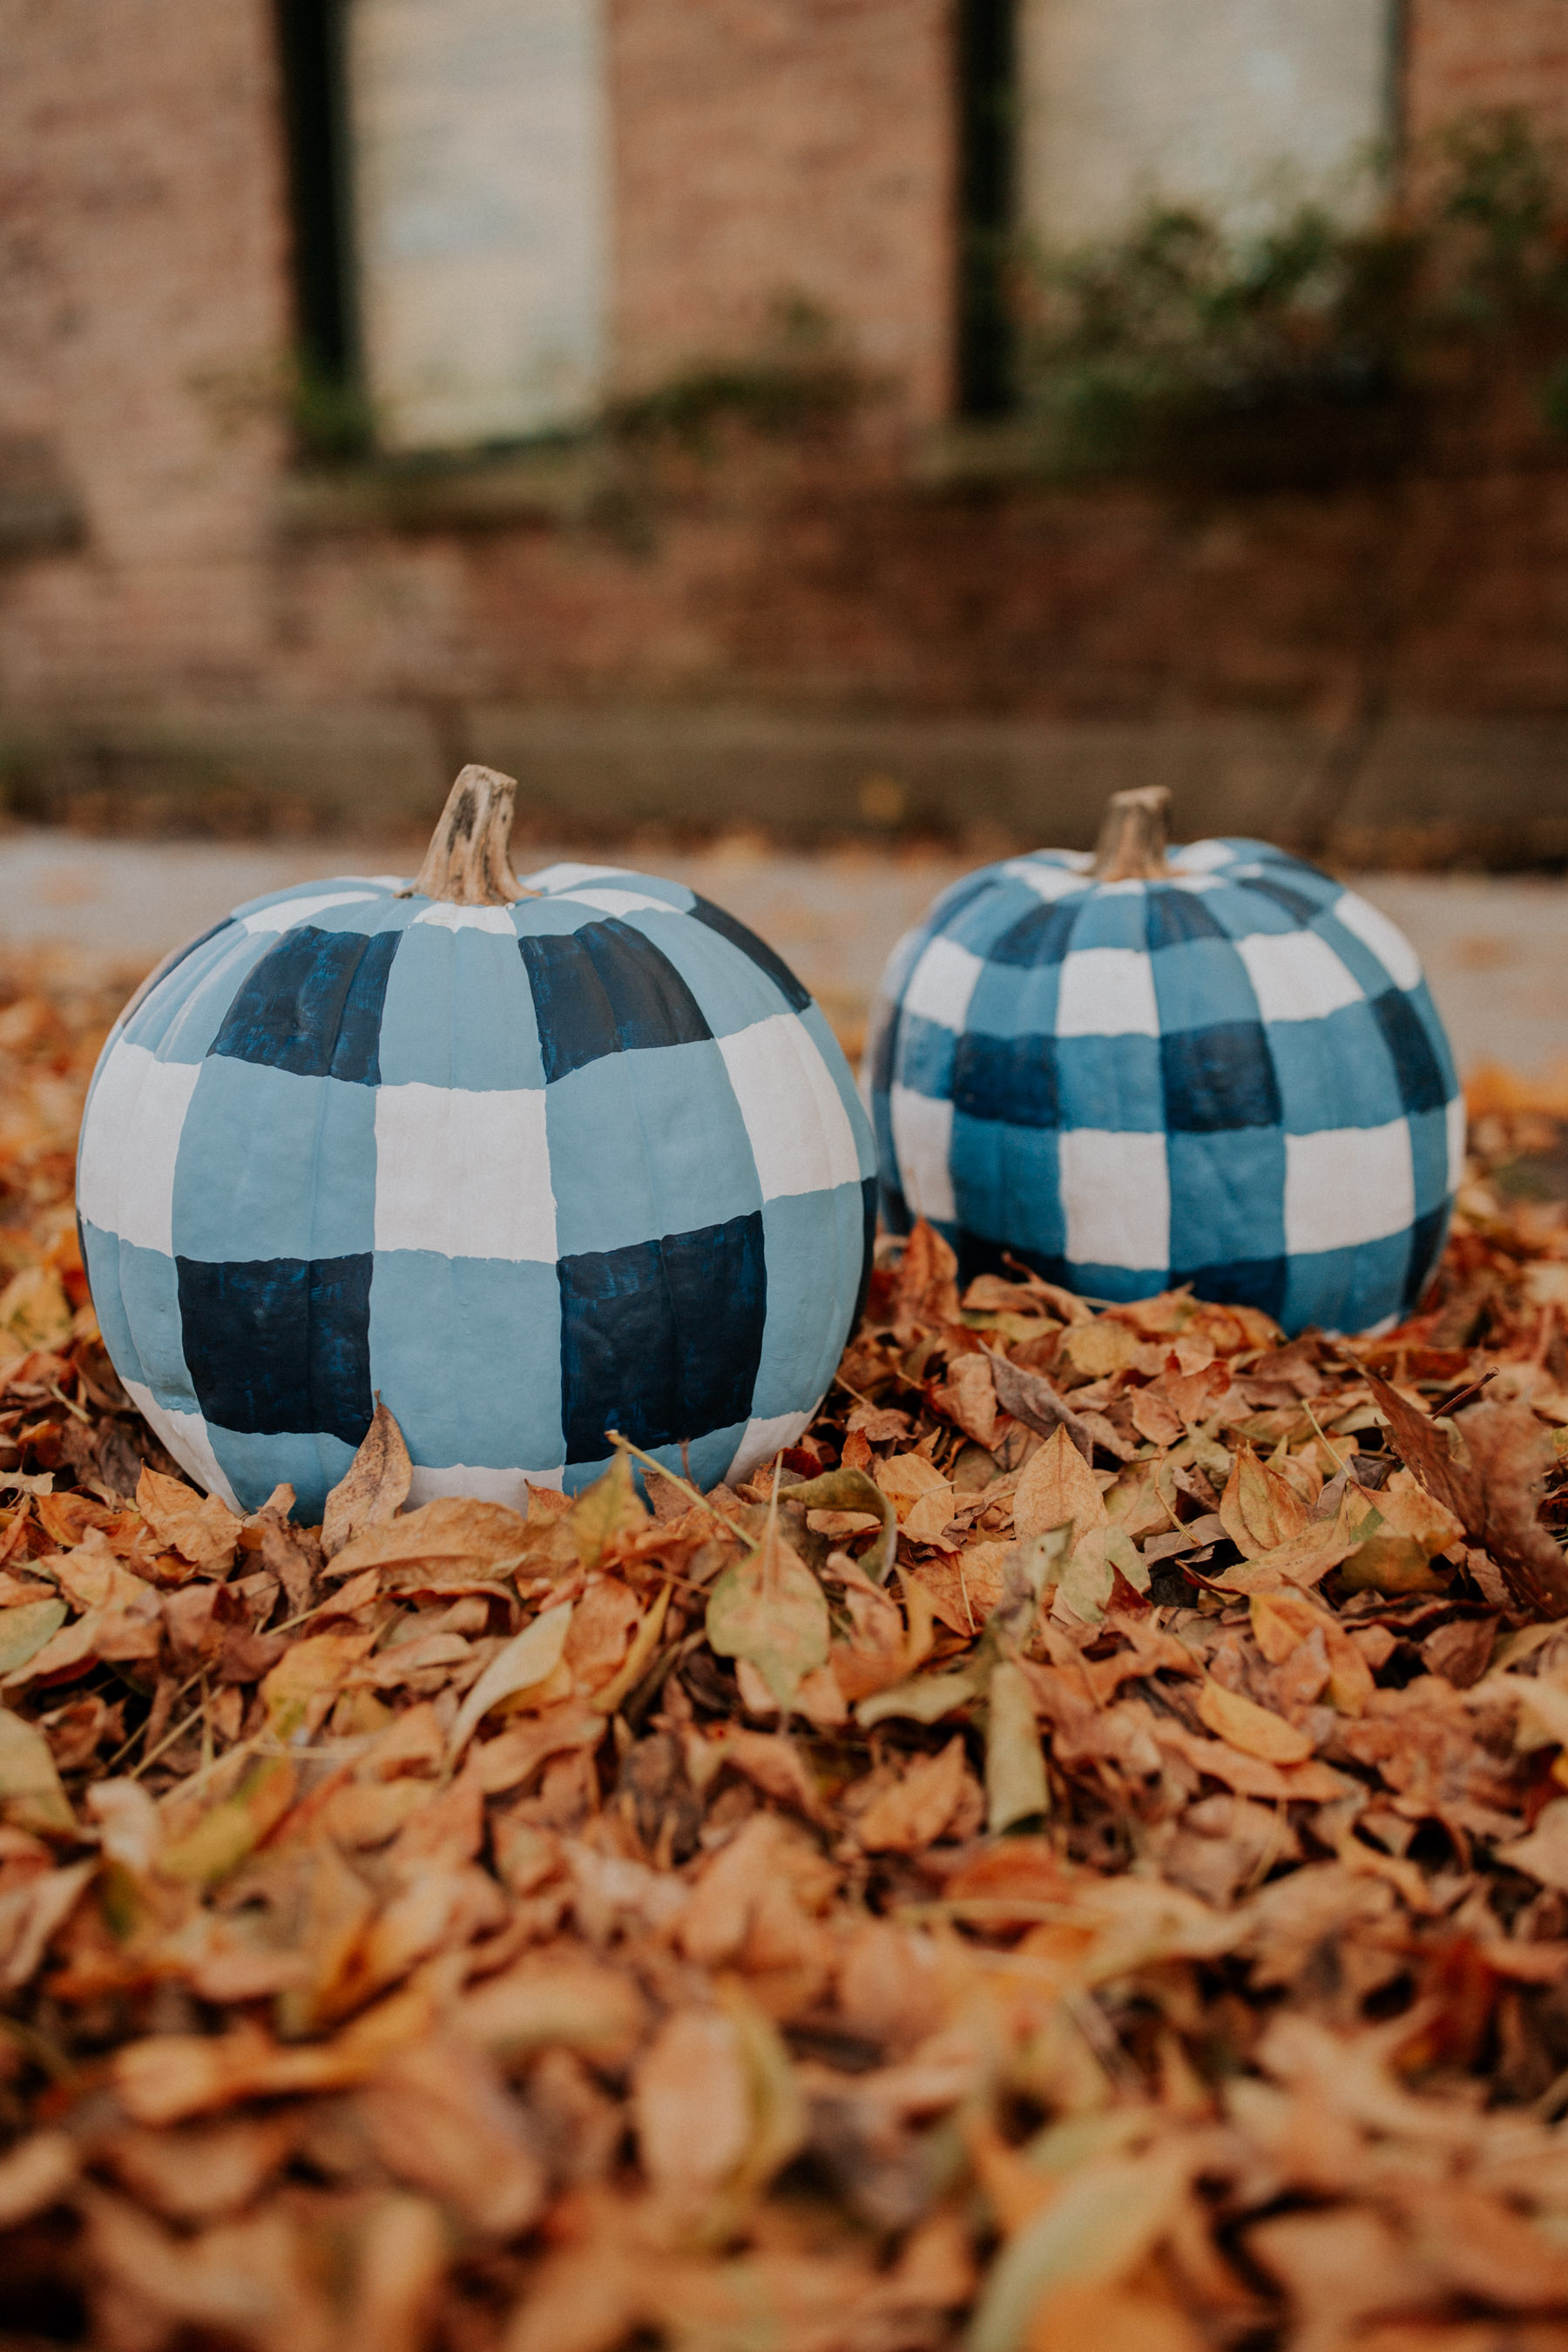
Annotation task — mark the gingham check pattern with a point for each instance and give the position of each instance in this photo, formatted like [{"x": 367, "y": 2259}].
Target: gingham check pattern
[
  {"x": 533, "y": 1173},
  {"x": 1233, "y": 1077}
]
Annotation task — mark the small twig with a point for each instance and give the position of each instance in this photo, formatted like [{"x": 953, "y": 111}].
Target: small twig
[
  {"x": 681, "y": 1485},
  {"x": 61, "y": 1398}
]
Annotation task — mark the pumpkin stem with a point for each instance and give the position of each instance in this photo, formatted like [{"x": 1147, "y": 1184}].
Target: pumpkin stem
[
  {"x": 469, "y": 862},
  {"x": 1132, "y": 837}
]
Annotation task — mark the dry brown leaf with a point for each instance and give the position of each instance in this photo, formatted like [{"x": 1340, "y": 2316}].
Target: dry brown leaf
[
  {"x": 1058, "y": 1485},
  {"x": 373, "y": 1488},
  {"x": 1260, "y": 1509},
  {"x": 452, "y": 1531},
  {"x": 918, "y": 1807},
  {"x": 200, "y": 1528},
  {"x": 1256, "y": 1730}
]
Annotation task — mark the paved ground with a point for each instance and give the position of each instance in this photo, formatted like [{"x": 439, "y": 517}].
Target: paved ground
[{"x": 1496, "y": 949}]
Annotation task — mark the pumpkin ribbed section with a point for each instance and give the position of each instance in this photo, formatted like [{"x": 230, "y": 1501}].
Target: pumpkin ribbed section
[
  {"x": 529, "y": 1172},
  {"x": 1229, "y": 1074}
]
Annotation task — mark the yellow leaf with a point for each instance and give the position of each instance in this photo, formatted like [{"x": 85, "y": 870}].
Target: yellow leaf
[
  {"x": 308, "y": 1677},
  {"x": 224, "y": 1836},
  {"x": 31, "y": 1792},
  {"x": 1057, "y": 1485},
  {"x": 1015, "y": 1787},
  {"x": 611, "y": 1506},
  {"x": 1254, "y": 1731},
  {"x": 34, "y": 1309},
  {"x": 1259, "y": 1508}
]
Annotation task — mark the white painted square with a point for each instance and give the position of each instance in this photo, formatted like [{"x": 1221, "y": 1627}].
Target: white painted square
[
  {"x": 1347, "y": 1185},
  {"x": 1201, "y": 857},
  {"x": 1116, "y": 1193},
  {"x": 1386, "y": 940},
  {"x": 763, "y": 1439},
  {"x": 567, "y": 873},
  {"x": 507, "y": 1486},
  {"x": 922, "y": 1140},
  {"x": 942, "y": 983},
  {"x": 1297, "y": 976},
  {"x": 444, "y": 917},
  {"x": 1454, "y": 1118},
  {"x": 287, "y": 912},
  {"x": 1107, "y": 993},
  {"x": 1047, "y": 882},
  {"x": 617, "y": 902},
  {"x": 466, "y": 1174},
  {"x": 796, "y": 1120},
  {"x": 130, "y": 1143},
  {"x": 185, "y": 1435}
]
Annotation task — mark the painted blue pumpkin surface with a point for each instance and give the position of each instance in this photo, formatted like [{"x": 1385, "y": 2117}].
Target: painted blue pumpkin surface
[
  {"x": 532, "y": 1172},
  {"x": 1231, "y": 1074}
]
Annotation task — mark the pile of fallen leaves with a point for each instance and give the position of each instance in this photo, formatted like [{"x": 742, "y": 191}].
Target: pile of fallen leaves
[{"x": 1075, "y": 1854}]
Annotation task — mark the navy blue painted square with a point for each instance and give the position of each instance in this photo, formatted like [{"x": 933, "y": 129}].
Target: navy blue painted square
[
  {"x": 1295, "y": 902},
  {"x": 1257, "y": 1282},
  {"x": 1177, "y": 915},
  {"x": 796, "y": 997},
  {"x": 1042, "y": 936},
  {"x": 605, "y": 989},
  {"x": 280, "y": 1344},
  {"x": 927, "y": 1055},
  {"x": 662, "y": 1340},
  {"x": 1421, "y": 1083},
  {"x": 314, "y": 1005},
  {"x": 1218, "y": 1078},
  {"x": 1013, "y": 1079}
]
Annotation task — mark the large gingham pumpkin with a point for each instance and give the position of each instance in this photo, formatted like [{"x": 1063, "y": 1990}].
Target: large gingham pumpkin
[
  {"x": 530, "y": 1170},
  {"x": 1217, "y": 1068}
]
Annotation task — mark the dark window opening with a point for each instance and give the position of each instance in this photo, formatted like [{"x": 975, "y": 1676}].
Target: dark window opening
[
  {"x": 987, "y": 78},
  {"x": 311, "y": 53}
]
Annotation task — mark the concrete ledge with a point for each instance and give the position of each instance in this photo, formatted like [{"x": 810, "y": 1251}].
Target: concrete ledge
[{"x": 1414, "y": 792}]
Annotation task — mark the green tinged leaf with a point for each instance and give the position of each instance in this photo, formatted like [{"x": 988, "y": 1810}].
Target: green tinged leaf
[
  {"x": 924, "y": 1698},
  {"x": 30, "y": 1791},
  {"x": 25, "y": 1629},
  {"x": 1015, "y": 1788},
  {"x": 224, "y": 1836},
  {"x": 852, "y": 1490},
  {"x": 770, "y": 1608},
  {"x": 1099, "y": 2227}
]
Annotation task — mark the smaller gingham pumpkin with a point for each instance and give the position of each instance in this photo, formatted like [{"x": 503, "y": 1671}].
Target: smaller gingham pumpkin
[
  {"x": 1213, "y": 1066},
  {"x": 531, "y": 1163}
]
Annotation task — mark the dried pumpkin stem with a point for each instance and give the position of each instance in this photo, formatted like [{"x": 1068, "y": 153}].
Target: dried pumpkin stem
[
  {"x": 469, "y": 862},
  {"x": 1132, "y": 838}
]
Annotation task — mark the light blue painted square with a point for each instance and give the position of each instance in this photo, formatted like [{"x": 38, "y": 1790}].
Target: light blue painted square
[
  {"x": 708, "y": 1459},
  {"x": 1346, "y": 1289},
  {"x": 460, "y": 1012},
  {"x": 1334, "y": 1072},
  {"x": 1113, "y": 918},
  {"x": 1242, "y": 913},
  {"x": 644, "y": 1144},
  {"x": 1111, "y": 1083},
  {"x": 310, "y": 1461},
  {"x": 1199, "y": 982},
  {"x": 451, "y": 1344},
  {"x": 178, "y": 1024},
  {"x": 149, "y": 1299},
  {"x": 101, "y": 1255},
  {"x": 1115, "y": 1284},
  {"x": 286, "y": 1161},
  {"x": 1013, "y": 1000},
  {"x": 814, "y": 1244},
  {"x": 1228, "y": 1195}
]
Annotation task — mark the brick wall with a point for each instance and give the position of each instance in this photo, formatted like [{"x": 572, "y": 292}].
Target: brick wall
[
  {"x": 771, "y": 147},
  {"x": 141, "y": 280},
  {"x": 1468, "y": 55}
]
